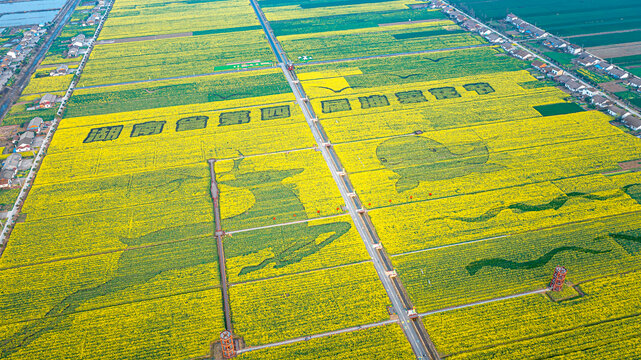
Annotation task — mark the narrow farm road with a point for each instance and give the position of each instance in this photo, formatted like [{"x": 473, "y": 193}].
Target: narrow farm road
[{"x": 413, "y": 329}]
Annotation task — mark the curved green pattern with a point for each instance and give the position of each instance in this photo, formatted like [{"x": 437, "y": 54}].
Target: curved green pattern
[
  {"x": 553, "y": 204},
  {"x": 476, "y": 266}
]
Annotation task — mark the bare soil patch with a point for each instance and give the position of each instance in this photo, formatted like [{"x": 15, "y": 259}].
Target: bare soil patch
[{"x": 616, "y": 50}]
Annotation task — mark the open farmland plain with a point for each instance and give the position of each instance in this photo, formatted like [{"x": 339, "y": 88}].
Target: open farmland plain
[{"x": 186, "y": 192}]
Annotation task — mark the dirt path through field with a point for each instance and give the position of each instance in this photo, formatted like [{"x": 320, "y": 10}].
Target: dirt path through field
[{"x": 616, "y": 50}]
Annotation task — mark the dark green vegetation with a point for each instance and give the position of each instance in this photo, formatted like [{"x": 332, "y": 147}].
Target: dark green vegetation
[
  {"x": 420, "y": 34},
  {"x": 416, "y": 158},
  {"x": 351, "y": 21},
  {"x": 634, "y": 190},
  {"x": 558, "y": 109},
  {"x": 474, "y": 267},
  {"x": 634, "y": 97},
  {"x": 630, "y": 241},
  {"x": 420, "y": 68},
  {"x": 559, "y": 57},
  {"x": 148, "y": 96},
  {"x": 572, "y": 17},
  {"x": 19, "y": 117},
  {"x": 289, "y": 244},
  {"x": 535, "y": 84},
  {"x": 553, "y": 204},
  {"x": 135, "y": 267}
]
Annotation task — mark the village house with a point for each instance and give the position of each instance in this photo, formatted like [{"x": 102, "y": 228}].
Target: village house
[
  {"x": 632, "y": 122},
  {"x": 471, "y": 25},
  {"x": 554, "y": 42},
  {"x": 494, "y": 38},
  {"x": 72, "y": 52},
  {"x": 554, "y": 71},
  {"x": 634, "y": 82},
  {"x": 616, "y": 111},
  {"x": 601, "y": 101},
  {"x": 522, "y": 54},
  {"x": 13, "y": 54},
  {"x": 588, "y": 91},
  {"x": 11, "y": 163},
  {"x": 511, "y": 18},
  {"x": 573, "y": 49},
  {"x": 539, "y": 65},
  {"x": 574, "y": 85},
  {"x": 25, "y": 141},
  {"x": 485, "y": 31},
  {"x": 6, "y": 179},
  {"x": 93, "y": 19},
  {"x": 618, "y": 73},
  {"x": 47, "y": 101},
  {"x": 509, "y": 47},
  {"x": 61, "y": 70},
  {"x": 437, "y": 4},
  {"x": 35, "y": 124},
  {"x": 587, "y": 60},
  {"x": 78, "y": 40},
  {"x": 603, "y": 66}
]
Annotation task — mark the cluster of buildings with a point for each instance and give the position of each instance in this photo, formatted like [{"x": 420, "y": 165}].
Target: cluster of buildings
[
  {"x": 78, "y": 46},
  {"x": 16, "y": 162},
  {"x": 18, "y": 52},
  {"x": 94, "y": 17},
  {"x": 47, "y": 101},
  {"x": 576, "y": 87},
  {"x": 585, "y": 59},
  {"x": 468, "y": 24}
]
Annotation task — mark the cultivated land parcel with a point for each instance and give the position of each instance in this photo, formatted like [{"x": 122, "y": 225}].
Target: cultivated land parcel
[{"x": 477, "y": 183}]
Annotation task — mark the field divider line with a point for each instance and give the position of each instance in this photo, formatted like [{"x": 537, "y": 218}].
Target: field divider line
[
  {"x": 285, "y": 224},
  {"x": 317, "y": 336},
  {"x": 481, "y": 302}
]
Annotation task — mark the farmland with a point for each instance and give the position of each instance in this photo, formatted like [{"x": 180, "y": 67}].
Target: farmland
[{"x": 186, "y": 192}]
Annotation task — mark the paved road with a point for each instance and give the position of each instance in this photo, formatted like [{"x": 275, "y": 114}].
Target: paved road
[
  {"x": 316, "y": 336},
  {"x": 219, "y": 245},
  {"x": 285, "y": 224},
  {"x": 409, "y": 326},
  {"x": 539, "y": 291}
]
